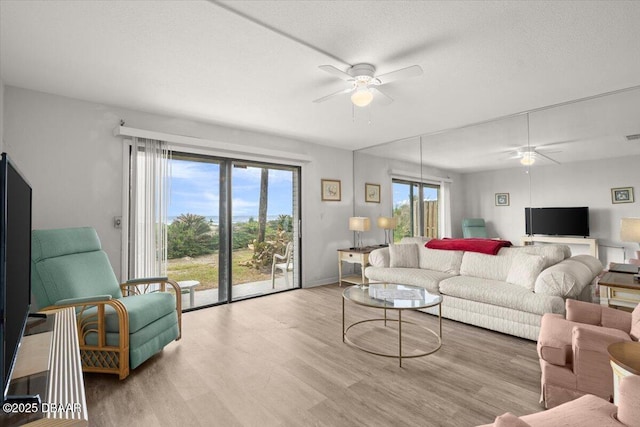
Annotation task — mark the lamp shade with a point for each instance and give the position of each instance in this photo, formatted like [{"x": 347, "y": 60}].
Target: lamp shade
[
  {"x": 359, "y": 223},
  {"x": 630, "y": 230},
  {"x": 387, "y": 223}
]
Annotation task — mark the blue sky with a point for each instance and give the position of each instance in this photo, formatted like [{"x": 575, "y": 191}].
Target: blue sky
[
  {"x": 401, "y": 194},
  {"x": 194, "y": 189}
]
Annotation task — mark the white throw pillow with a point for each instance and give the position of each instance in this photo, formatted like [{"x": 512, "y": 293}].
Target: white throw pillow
[
  {"x": 524, "y": 270},
  {"x": 404, "y": 256}
]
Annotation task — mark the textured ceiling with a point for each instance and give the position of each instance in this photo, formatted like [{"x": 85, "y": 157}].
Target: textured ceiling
[{"x": 203, "y": 61}]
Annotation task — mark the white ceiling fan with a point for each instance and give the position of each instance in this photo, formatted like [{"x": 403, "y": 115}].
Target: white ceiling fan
[
  {"x": 364, "y": 84},
  {"x": 529, "y": 155}
]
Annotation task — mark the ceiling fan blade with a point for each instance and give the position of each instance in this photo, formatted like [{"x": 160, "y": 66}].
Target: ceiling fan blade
[
  {"x": 403, "y": 73},
  {"x": 547, "y": 157},
  {"x": 340, "y": 92},
  {"x": 335, "y": 72},
  {"x": 383, "y": 98}
]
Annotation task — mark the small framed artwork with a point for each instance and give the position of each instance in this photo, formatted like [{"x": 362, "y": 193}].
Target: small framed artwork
[
  {"x": 372, "y": 193},
  {"x": 622, "y": 195},
  {"x": 330, "y": 190},
  {"x": 502, "y": 199}
]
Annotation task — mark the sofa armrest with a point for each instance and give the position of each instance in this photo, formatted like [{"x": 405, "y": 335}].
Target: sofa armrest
[
  {"x": 595, "y": 314},
  {"x": 380, "y": 258},
  {"x": 591, "y": 365},
  {"x": 596, "y": 339}
]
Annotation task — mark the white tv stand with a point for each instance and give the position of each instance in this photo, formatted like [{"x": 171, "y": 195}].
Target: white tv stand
[{"x": 592, "y": 243}]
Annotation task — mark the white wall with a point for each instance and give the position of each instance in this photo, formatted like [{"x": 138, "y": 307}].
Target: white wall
[
  {"x": 1, "y": 115},
  {"x": 67, "y": 151},
  {"x": 571, "y": 184}
]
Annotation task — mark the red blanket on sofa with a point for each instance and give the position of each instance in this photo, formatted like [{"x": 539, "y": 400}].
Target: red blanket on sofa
[{"x": 485, "y": 246}]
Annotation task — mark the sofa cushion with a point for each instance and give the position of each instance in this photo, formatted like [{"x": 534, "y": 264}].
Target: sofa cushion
[
  {"x": 566, "y": 279},
  {"x": 524, "y": 270},
  {"x": 428, "y": 279},
  {"x": 440, "y": 260},
  {"x": 380, "y": 258},
  {"x": 501, "y": 294},
  {"x": 403, "y": 256},
  {"x": 492, "y": 267}
]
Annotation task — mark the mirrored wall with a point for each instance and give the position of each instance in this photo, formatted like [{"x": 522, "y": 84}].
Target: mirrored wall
[{"x": 578, "y": 154}]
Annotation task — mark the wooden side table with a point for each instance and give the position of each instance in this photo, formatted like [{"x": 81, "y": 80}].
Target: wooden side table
[
  {"x": 354, "y": 256},
  {"x": 619, "y": 290},
  {"x": 625, "y": 360}
]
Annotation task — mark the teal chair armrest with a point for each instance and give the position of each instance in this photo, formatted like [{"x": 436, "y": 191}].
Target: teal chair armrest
[
  {"x": 146, "y": 280},
  {"x": 84, "y": 300},
  {"x": 132, "y": 287}
]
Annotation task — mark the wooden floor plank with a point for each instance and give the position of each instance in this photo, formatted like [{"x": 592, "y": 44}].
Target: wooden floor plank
[{"x": 280, "y": 361}]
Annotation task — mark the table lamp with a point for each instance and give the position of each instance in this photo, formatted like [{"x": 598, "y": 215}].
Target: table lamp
[
  {"x": 358, "y": 224},
  {"x": 387, "y": 224},
  {"x": 630, "y": 232}
]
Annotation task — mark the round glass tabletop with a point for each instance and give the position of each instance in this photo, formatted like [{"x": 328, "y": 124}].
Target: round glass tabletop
[{"x": 391, "y": 296}]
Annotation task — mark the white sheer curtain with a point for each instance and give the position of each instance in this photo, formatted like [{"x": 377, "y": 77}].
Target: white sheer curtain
[
  {"x": 445, "y": 209},
  {"x": 149, "y": 200}
]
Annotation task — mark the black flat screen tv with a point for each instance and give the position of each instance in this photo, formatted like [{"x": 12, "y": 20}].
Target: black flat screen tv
[
  {"x": 15, "y": 264},
  {"x": 557, "y": 221}
]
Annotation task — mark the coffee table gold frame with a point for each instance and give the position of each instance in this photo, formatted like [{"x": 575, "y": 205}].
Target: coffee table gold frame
[{"x": 385, "y": 319}]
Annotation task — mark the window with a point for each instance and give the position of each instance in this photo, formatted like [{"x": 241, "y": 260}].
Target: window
[{"x": 416, "y": 207}]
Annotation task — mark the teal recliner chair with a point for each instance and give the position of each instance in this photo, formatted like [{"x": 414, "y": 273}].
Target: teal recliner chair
[
  {"x": 119, "y": 326},
  {"x": 473, "y": 227}
]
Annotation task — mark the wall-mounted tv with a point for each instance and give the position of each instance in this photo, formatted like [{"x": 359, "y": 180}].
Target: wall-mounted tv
[
  {"x": 15, "y": 265},
  {"x": 557, "y": 221}
]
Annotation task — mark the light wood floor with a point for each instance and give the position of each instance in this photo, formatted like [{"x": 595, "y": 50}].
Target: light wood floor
[{"x": 280, "y": 361}]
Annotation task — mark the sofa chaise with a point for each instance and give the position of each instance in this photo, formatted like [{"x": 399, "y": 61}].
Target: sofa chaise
[{"x": 508, "y": 292}]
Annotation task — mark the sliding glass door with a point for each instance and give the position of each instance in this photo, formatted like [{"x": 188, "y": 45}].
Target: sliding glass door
[
  {"x": 193, "y": 231},
  {"x": 264, "y": 233},
  {"x": 232, "y": 228}
]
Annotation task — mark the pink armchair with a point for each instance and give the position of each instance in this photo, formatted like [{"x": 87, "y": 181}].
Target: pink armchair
[
  {"x": 586, "y": 411},
  {"x": 573, "y": 351}
]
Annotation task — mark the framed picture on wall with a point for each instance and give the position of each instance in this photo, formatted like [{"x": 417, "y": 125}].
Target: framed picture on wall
[
  {"x": 622, "y": 195},
  {"x": 330, "y": 190},
  {"x": 372, "y": 193},
  {"x": 502, "y": 199}
]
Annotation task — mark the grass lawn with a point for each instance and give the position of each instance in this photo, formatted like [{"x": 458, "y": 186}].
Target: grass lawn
[{"x": 204, "y": 269}]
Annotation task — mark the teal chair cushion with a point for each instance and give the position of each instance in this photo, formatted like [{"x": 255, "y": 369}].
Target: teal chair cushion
[
  {"x": 65, "y": 241},
  {"x": 473, "y": 227},
  {"x": 143, "y": 310},
  {"x": 73, "y": 276}
]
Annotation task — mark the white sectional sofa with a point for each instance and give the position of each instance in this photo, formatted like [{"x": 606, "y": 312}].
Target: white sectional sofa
[{"x": 508, "y": 292}]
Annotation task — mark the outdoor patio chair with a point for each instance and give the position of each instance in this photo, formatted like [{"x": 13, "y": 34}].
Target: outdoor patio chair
[
  {"x": 119, "y": 326},
  {"x": 285, "y": 266}
]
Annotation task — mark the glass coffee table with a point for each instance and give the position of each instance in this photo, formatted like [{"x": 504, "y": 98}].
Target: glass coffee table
[{"x": 389, "y": 296}]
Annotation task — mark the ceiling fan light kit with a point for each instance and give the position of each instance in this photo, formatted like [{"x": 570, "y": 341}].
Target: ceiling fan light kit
[
  {"x": 528, "y": 158},
  {"x": 364, "y": 83},
  {"x": 362, "y": 97}
]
